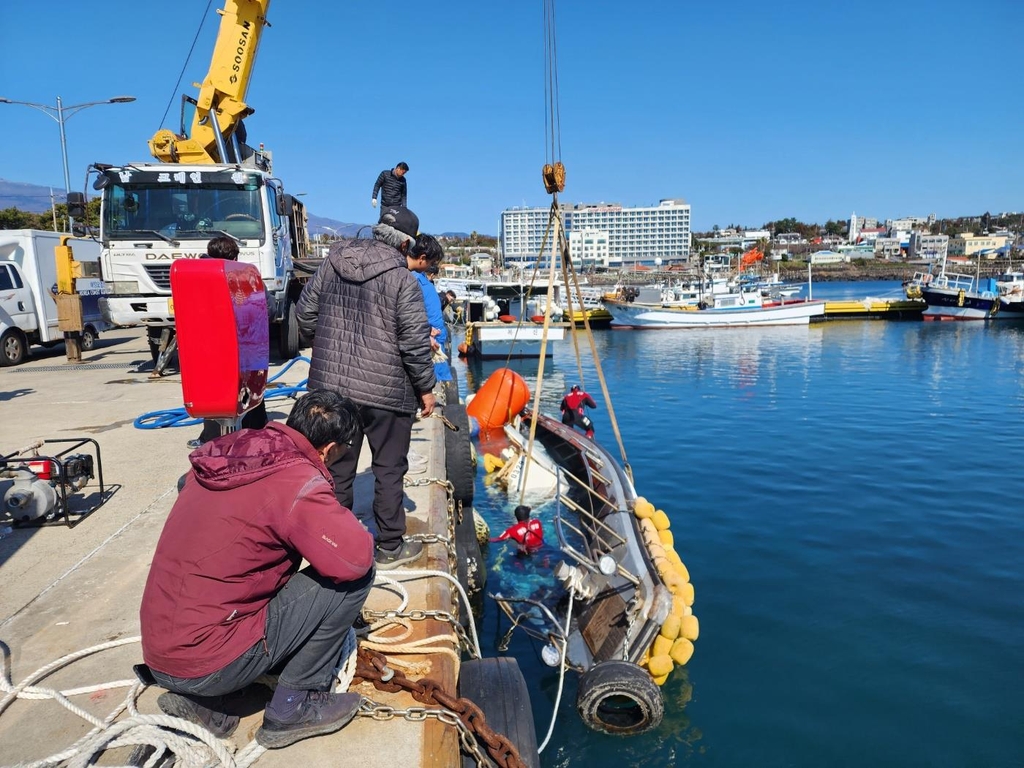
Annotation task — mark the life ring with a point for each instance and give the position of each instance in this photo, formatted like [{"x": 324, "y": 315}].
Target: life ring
[
  {"x": 619, "y": 697},
  {"x": 960, "y": 297}
]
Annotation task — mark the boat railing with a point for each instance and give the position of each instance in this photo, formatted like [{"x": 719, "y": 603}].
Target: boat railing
[{"x": 955, "y": 281}]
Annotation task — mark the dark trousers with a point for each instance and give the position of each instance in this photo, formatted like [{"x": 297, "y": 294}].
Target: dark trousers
[
  {"x": 254, "y": 419},
  {"x": 388, "y": 434},
  {"x": 307, "y": 622}
]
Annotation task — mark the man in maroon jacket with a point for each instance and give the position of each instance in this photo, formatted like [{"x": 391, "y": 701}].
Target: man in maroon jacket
[{"x": 225, "y": 601}]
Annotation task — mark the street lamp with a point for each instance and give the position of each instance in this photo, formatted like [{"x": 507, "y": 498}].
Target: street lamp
[{"x": 60, "y": 113}]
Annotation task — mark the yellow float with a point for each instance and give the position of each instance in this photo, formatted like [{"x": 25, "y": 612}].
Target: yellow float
[{"x": 674, "y": 644}]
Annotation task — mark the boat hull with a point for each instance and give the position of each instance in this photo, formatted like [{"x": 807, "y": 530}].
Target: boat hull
[
  {"x": 500, "y": 341},
  {"x": 957, "y": 304},
  {"x": 644, "y": 316}
]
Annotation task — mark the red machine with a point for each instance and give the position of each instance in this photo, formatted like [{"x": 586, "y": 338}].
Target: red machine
[{"x": 220, "y": 310}]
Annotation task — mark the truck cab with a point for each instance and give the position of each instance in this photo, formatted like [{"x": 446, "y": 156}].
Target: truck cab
[{"x": 154, "y": 214}]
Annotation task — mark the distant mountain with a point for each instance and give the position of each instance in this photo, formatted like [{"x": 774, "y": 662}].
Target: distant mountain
[
  {"x": 321, "y": 225},
  {"x": 36, "y": 199},
  {"x": 27, "y": 197}
]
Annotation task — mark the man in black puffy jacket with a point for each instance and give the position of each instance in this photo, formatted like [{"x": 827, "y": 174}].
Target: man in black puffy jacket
[
  {"x": 393, "y": 188},
  {"x": 364, "y": 312}
]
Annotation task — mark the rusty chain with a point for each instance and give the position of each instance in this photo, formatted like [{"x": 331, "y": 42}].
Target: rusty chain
[
  {"x": 372, "y": 667},
  {"x": 384, "y": 713}
]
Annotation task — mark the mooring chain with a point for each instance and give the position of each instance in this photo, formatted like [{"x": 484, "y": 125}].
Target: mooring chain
[
  {"x": 453, "y": 555},
  {"x": 423, "y": 615},
  {"x": 372, "y": 667},
  {"x": 383, "y": 713}
]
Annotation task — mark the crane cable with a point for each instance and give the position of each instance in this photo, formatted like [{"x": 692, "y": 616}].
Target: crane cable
[
  {"x": 202, "y": 21},
  {"x": 553, "y": 174}
]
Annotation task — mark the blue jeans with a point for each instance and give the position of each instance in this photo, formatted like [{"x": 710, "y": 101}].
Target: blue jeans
[{"x": 307, "y": 622}]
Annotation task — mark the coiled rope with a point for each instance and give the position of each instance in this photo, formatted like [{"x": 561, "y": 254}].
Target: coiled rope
[
  {"x": 192, "y": 745},
  {"x": 179, "y": 417}
]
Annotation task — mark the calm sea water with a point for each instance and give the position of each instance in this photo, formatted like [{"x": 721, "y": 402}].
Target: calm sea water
[{"x": 847, "y": 498}]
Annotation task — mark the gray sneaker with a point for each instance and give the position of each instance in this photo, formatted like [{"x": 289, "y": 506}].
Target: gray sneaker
[
  {"x": 392, "y": 558},
  {"x": 194, "y": 709},
  {"x": 321, "y": 713}
]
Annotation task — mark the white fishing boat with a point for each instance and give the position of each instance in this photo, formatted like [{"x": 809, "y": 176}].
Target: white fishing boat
[{"x": 732, "y": 310}]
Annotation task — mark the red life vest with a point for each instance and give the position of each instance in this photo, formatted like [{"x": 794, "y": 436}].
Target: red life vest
[{"x": 528, "y": 535}]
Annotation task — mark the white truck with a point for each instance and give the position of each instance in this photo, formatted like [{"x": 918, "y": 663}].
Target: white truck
[
  {"x": 28, "y": 282},
  {"x": 154, "y": 213}
]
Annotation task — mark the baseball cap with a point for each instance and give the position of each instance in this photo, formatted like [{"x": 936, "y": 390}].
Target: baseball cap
[{"x": 402, "y": 219}]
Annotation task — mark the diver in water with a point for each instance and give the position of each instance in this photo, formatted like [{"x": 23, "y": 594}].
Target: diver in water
[
  {"x": 527, "y": 533},
  {"x": 574, "y": 410}
]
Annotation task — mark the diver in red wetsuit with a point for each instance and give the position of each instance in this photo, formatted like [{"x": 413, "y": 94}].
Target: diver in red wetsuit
[
  {"x": 574, "y": 410},
  {"x": 527, "y": 533}
]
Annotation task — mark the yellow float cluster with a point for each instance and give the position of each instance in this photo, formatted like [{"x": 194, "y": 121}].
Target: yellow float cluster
[
  {"x": 492, "y": 463},
  {"x": 674, "y": 643}
]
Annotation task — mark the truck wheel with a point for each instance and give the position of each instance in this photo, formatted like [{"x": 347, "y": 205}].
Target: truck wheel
[
  {"x": 88, "y": 338},
  {"x": 13, "y": 347},
  {"x": 153, "y": 336},
  {"x": 288, "y": 333}
]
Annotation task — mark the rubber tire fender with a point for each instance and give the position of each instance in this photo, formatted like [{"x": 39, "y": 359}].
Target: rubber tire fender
[
  {"x": 471, "y": 568},
  {"x": 618, "y": 697},
  {"x": 458, "y": 454},
  {"x": 14, "y": 348},
  {"x": 497, "y": 686}
]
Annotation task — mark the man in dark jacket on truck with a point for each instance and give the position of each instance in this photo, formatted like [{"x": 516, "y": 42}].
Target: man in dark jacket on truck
[
  {"x": 392, "y": 187},
  {"x": 364, "y": 312},
  {"x": 225, "y": 601}
]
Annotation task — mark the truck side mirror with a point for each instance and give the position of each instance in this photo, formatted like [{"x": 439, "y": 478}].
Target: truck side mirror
[
  {"x": 76, "y": 205},
  {"x": 285, "y": 205}
]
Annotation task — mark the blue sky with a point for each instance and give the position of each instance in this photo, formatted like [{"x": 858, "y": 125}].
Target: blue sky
[{"x": 751, "y": 111}]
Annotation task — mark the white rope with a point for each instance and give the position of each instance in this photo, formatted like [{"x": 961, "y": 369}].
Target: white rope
[
  {"x": 561, "y": 672},
  {"x": 425, "y": 573}
]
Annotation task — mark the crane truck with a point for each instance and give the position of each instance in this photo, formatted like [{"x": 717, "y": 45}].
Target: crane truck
[{"x": 206, "y": 182}]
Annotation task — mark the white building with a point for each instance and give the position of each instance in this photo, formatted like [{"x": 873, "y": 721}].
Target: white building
[
  {"x": 636, "y": 236},
  {"x": 924, "y": 246},
  {"x": 589, "y": 250}
]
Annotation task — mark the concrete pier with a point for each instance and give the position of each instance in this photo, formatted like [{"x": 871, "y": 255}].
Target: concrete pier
[{"x": 66, "y": 589}]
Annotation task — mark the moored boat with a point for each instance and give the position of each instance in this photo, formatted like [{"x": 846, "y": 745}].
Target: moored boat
[{"x": 740, "y": 309}]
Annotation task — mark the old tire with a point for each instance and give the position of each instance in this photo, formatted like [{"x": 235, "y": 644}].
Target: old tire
[
  {"x": 288, "y": 333},
  {"x": 89, "y": 337},
  {"x": 458, "y": 454},
  {"x": 496, "y": 685},
  {"x": 451, "y": 388},
  {"x": 13, "y": 347},
  {"x": 619, "y": 697},
  {"x": 471, "y": 569}
]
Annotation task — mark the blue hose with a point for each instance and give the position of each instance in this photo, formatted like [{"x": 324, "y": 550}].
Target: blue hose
[{"x": 178, "y": 417}]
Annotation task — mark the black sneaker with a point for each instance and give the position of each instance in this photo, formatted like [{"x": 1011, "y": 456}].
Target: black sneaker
[
  {"x": 321, "y": 713},
  {"x": 387, "y": 559},
  {"x": 219, "y": 724}
]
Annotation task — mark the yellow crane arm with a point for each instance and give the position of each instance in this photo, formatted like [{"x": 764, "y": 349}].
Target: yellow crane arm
[{"x": 221, "y": 105}]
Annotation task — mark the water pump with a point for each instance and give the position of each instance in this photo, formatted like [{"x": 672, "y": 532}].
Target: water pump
[{"x": 34, "y": 489}]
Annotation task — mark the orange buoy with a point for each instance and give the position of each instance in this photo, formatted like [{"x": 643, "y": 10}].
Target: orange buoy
[
  {"x": 508, "y": 318},
  {"x": 502, "y": 396}
]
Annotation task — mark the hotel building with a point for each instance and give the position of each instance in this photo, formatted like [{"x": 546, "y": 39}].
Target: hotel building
[{"x": 609, "y": 236}]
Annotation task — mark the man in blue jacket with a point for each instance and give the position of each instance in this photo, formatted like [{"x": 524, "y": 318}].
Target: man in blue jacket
[{"x": 424, "y": 257}]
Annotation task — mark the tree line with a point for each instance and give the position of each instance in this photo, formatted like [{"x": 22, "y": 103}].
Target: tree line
[{"x": 15, "y": 218}]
